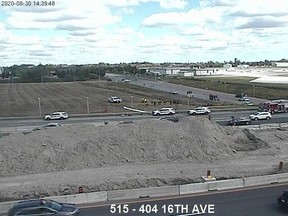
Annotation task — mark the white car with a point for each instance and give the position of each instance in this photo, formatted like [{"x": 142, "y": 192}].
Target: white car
[
  {"x": 115, "y": 99},
  {"x": 244, "y": 99},
  {"x": 56, "y": 116},
  {"x": 125, "y": 80},
  {"x": 260, "y": 116},
  {"x": 199, "y": 111},
  {"x": 173, "y": 92},
  {"x": 164, "y": 111}
]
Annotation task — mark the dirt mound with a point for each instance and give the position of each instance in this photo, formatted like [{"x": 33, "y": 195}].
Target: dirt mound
[{"x": 74, "y": 147}]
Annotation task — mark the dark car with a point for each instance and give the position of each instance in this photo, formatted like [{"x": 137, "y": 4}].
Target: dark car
[
  {"x": 241, "y": 95},
  {"x": 239, "y": 121},
  {"x": 41, "y": 207},
  {"x": 168, "y": 118},
  {"x": 283, "y": 199}
]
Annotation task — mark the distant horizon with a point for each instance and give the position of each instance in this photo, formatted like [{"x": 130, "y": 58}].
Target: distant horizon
[
  {"x": 142, "y": 62},
  {"x": 85, "y": 32}
]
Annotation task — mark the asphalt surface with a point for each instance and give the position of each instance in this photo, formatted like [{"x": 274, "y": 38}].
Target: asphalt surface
[
  {"x": 248, "y": 202},
  {"x": 182, "y": 90},
  {"x": 18, "y": 124}
]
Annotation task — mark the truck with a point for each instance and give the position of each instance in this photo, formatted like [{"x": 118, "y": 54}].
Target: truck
[{"x": 274, "y": 106}]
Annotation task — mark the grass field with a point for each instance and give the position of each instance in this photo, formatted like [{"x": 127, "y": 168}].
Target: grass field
[
  {"x": 235, "y": 85},
  {"x": 21, "y": 99}
]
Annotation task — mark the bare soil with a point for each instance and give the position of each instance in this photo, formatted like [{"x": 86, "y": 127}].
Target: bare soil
[{"x": 145, "y": 153}]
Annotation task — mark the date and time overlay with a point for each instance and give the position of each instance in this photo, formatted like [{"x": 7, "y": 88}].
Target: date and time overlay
[{"x": 28, "y": 3}]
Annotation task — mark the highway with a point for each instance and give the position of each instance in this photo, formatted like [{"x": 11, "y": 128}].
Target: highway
[
  {"x": 182, "y": 90},
  {"x": 261, "y": 201},
  {"x": 27, "y": 124}
]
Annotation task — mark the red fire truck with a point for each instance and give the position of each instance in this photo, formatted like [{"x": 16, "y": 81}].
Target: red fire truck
[{"x": 274, "y": 106}]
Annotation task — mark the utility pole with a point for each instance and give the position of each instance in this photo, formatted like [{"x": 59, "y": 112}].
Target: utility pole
[
  {"x": 87, "y": 104},
  {"x": 39, "y": 105}
]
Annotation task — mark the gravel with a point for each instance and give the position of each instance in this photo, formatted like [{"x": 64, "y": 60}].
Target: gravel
[{"x": 140, "y": 154}]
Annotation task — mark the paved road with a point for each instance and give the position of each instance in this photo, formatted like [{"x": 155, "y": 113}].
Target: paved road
[
  {"x": 182, "y": 90},
  {"x": 248, "y": 202},
  {"x": 18, "y": 124}
]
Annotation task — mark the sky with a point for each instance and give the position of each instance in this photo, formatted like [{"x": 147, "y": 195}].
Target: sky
[{"x": 157, "y": 31}]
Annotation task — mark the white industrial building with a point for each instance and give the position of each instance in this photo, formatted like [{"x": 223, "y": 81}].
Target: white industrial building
[
  {"x": 164, "y": 70},
  {"x": 198, "y": 72},
  {"x": 180, "y": 71},
  {"x": 226, "y": 66},
  {"x": 280, "y": 64}
]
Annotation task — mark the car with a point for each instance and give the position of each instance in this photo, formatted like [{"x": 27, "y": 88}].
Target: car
[
  {"x": 115, "y": 99},
  {"x": 49, "y": 125},
  {"x": 248, "y": 103},
  {"x": 125, "y": 80},
  {"x": 244, "y": 99},
  {"x": 60, "y": 115},
  {"x": 169, "y": 118},
  {"x": 239, "y": 121},
  {"x": 173, "y": 92},
  {"x": 241, "y": 95},
  {"x": 282, "y": 200},
  {"x": 260, "y": 116},
  {"x": 164, "y": 111},
  {"x": 199, "y": 111},
  {"x": 41, "y": 207}
]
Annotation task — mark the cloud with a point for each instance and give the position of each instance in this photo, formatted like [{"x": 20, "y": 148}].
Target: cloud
[
  {"x": 262, "y": 23},
  {"x": 169, "y": 4},
  {"x": 39, "y": 53},
  {"x": 259, "y": 14},
  {"x": 196, "y": 17},
  {"x": 126, "y": 30}
]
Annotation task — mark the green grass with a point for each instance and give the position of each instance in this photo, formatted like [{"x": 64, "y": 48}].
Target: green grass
[{"x": 235, "y": 85}]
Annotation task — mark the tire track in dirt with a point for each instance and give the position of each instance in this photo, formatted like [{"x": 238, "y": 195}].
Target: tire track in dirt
[
  {"x": 47, "y": 94},
  {"x": 14, "y": 101},
  {"x": 27, "y": 93},
  {"x": 73, "y": 101},
  {"x": 4, "y": 108}
]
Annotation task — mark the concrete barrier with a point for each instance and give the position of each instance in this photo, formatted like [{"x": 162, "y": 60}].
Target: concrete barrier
[
  {"x": 143, "y": 192},
  {"x": 283, "y": 177},
  {"x": 5, "y": 206},
  {"x": 81, "y": 198},
  {"x": 193, "y": 188},
  {"x": 161, "y": 191},
  {"x": 227, "y": 184},
  {"x": 260, "y": 180}
]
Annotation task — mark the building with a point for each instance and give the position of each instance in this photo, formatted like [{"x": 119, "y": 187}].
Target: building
[
  {"x": 1, "y": 70},
  {"x": 280, "y": 64},
  {"x": 198, "y": 72},
  {"x": 164, "y": 70},
  {"x": 242, "y": 66},
  {"x": 226, "y": 66}
]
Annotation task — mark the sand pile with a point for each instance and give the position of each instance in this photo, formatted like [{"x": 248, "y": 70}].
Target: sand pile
[{"x": 75, "y": 147}]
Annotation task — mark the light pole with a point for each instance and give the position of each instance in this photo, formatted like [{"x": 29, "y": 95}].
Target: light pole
[
  {"x": 189, "y": 94},
  {"x": 39, "y": 105},
  {"x": 225, "y": 87},
  {"x": 87, "y": 103},
  {"x": 254, "y": 91},
  {"x": 131, "y": 101}
]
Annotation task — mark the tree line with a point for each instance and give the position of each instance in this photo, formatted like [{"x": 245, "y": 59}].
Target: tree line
[{"x": 52, "y": 73}]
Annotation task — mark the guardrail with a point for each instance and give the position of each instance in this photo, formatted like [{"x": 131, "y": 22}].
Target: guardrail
[
  {"x": 201, "y": 187},
  {"x": 265, "y": 126}
]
